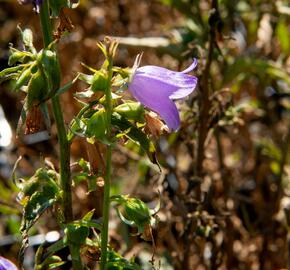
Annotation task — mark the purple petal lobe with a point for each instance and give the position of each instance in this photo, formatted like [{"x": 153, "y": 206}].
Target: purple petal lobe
[
  {"x": 6, "y": 264},
  {"x": 191, "y": 67},
  {"x": 175, "y": 84},
  {"x": 170, "y": 114}
]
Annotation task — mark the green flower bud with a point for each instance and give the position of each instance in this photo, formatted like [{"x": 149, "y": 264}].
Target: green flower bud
[
  {"x": 27, "y": 38},
  {"x": 48, "y": 60},
  {"x": 136, "y": 211},
  {"x": 99, "y": 81}
]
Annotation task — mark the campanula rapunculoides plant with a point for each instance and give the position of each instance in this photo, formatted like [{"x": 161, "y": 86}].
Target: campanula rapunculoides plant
[{"x": 108, "y": 115}]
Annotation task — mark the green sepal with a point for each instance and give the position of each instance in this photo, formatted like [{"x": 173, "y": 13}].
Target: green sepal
[
  {"x": 10, "y": 73},
  {"x": 86, "y": 175},
  {"x": 134, "y": 211},
  {"x": 136, "y": 135},
  {"x": 19, "y": 56},
  {"x": 131, "y": 111},
  {"x": 117, "y": 262},
  {"x": 22, "y": 79}
]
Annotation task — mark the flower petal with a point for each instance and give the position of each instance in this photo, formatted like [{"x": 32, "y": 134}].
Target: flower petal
[
  {"x": 191, "y": 67},
  {"x": 6, "y": 264},
  {"x": 153, "y": 94},
  {"x": 170, "y": 115},
  {"x": 175, "y": 84}
]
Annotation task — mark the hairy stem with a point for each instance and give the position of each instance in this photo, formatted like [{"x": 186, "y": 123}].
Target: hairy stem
[
  {"x": 65, "y": 179},
  {"x": 107, "y": 186}
]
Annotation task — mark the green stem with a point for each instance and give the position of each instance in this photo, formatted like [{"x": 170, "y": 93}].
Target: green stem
[
  {"x": 106, "y": 200},
  {"x": 64, "y": 146}
]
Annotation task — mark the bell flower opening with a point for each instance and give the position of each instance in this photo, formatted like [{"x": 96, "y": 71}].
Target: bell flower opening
[{"x": 157, "y": 88}]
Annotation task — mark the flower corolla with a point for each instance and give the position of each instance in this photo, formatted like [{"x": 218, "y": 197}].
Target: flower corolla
[{"x": 157, "y": 88}]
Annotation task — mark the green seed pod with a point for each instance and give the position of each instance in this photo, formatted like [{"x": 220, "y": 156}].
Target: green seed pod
[
  {"x": 96, "y": 125},
  {"x": 131, "y": 111},
  {"x": 51, "y": 68},
  {"x": 99, "y": 81},
  {"x": 36, "y": 91},
  {"x": 136, "y": 211}
]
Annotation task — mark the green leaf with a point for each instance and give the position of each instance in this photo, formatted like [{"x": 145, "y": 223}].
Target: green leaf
[
  {"x": 86, "y": 78},
  {"x": 76, "y": 234},
  {"x": 8, "y": 210},
  {"x": 67, "y": 86},
  {"x": 249, "y": 66},
  {"x": 40, "y": 192},
  {"x": 89, "y": 224},
  {"x": 57, "y": 246},
  {"x": 136, "y": 135},
  {"x": 57, "y": 5},
  {"x": 117, "y": 262},
  {"x": 283, "y": 36},
  {"x": 88, "y": 216},
  {"x": 50, "y": 262}
]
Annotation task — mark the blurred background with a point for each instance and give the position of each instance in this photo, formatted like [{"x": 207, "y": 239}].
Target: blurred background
[{"x": 224, "y": 205}]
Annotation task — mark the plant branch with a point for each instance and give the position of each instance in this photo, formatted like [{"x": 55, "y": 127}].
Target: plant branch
[
  {"x": 65, "y": 179},
  {"x": 205, "y": 102},
  {"x": 107, "y": 186}
]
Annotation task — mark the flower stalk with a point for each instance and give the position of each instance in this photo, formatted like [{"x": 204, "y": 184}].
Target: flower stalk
[
  {"x": 65, "y": 179},
  {"x": 107, "y": 184}
]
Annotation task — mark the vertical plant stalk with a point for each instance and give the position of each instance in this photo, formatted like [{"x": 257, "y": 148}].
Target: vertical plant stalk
[
  {"x": 65, "y": 178},
  {"x": 204, "y": 106},
  {"x": 61, "y": 132},
  {"x": 108, "y": 173},
  {"x": 204, "y": 109}
]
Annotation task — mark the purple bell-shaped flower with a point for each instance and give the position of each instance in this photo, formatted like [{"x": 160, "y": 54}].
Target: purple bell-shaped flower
[{"x": 157, "y": 88}]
